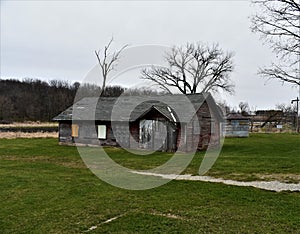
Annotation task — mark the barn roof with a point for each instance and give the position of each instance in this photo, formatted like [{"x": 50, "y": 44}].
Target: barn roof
[
  {"x": 130, "y": 108},
  {"x": 236, "y": 116}
]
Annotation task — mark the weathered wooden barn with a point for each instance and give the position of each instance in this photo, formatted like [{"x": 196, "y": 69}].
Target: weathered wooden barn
[
  {"x": 237, "y": 125},
  {"x": 166, "y": 123}
]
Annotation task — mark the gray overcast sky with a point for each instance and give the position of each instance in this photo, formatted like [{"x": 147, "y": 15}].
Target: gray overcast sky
[{"x": 56, "y": 40}]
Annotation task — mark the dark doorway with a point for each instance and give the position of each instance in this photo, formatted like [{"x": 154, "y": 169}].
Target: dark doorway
[{"x": 157, "y": 135}]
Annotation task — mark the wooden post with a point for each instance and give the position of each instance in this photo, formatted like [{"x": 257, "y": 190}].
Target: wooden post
[{"x": 297, "y": 114}]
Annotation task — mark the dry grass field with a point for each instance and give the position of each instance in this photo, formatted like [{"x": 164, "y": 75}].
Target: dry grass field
[
  {"x": 14, "y": 135},
  {"x": 20, "y": 130}
]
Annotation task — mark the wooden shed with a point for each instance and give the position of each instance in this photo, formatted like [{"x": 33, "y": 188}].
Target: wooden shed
[
  {"x": 237, "y": 125},
  {"x": 166, "y": 123}
]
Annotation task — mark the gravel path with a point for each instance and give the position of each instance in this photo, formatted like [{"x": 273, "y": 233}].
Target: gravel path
[{"x": 267, "y": 185}]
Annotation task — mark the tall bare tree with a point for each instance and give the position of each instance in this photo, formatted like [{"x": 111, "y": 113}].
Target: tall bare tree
[
  {"x": 193, "y": 68},
  {"x": 279, "y": 24},
  {"x": 107, "y": 61},
  {"x": 244, "y": 108}
]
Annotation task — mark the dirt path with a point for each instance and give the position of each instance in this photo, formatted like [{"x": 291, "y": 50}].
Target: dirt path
[{"x": 266, "y": 185}]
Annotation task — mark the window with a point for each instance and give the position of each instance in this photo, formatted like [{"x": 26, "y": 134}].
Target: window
[
  {"x": 75, "y": 129},
  {"x": 102, "y": 131}
]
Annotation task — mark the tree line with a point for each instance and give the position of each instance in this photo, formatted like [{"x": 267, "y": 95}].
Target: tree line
[{"x": 37, "y": 100}]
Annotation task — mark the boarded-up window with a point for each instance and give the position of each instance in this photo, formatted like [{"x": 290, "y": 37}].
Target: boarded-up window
[
  {"x": 75, "y": 129},
  {"x": 102, "y": 131}
]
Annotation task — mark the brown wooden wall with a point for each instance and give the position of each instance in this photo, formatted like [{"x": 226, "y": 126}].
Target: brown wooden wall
[
  {"x": 199, "y": 139},
  {"x": 189, "y": 137},
  {"x": 65, "y": 132}
]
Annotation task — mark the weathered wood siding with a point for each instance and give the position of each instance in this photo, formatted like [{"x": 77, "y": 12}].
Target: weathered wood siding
[
  {"x": 182, "y": 136},
  {"x": 65, "y": 132},
  {"x": 199, "y": 135},
  {"x": 134, "y": 138},
  {"x": 237, "y": 128}
]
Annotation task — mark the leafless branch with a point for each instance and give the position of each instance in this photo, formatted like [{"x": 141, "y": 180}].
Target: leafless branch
[
  {"x": 107, "y": 62},
  {"x": 278, "y": 23},
  {"x": 194, "y": 68}
]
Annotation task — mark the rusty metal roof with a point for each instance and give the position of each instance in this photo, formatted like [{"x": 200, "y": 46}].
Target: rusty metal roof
[{"x": 131, "y": 108}]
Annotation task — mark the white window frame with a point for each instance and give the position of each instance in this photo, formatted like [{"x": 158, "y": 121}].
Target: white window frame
[{"x": 102, "y": 132}]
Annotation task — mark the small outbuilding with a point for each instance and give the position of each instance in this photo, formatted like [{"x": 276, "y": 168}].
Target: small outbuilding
[
  {"x": 166, "y": 123},
  {"x": 237, "y": 125}
]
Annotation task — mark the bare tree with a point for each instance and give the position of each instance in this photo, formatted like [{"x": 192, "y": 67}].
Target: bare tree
[
  {"x": 289, "y": 114},
  {"x": 244, "y": 107},
  {"x": 107, "y": 62},
  {"x": 279, "y": 24},
  {"x": 286, "y": 108},
  {"x": 193, "y": 68},
  {"x": 225, "y": 107}
]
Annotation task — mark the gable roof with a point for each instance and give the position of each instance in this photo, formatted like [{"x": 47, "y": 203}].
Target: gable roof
[
  {"x": 236, "y": 116},
  {"x": 131, "y": 108}
]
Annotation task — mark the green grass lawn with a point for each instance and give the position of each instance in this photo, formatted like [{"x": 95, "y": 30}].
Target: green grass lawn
[
  {"x": 46, "y": 188},
  {"x": 259, "y": 157}
]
